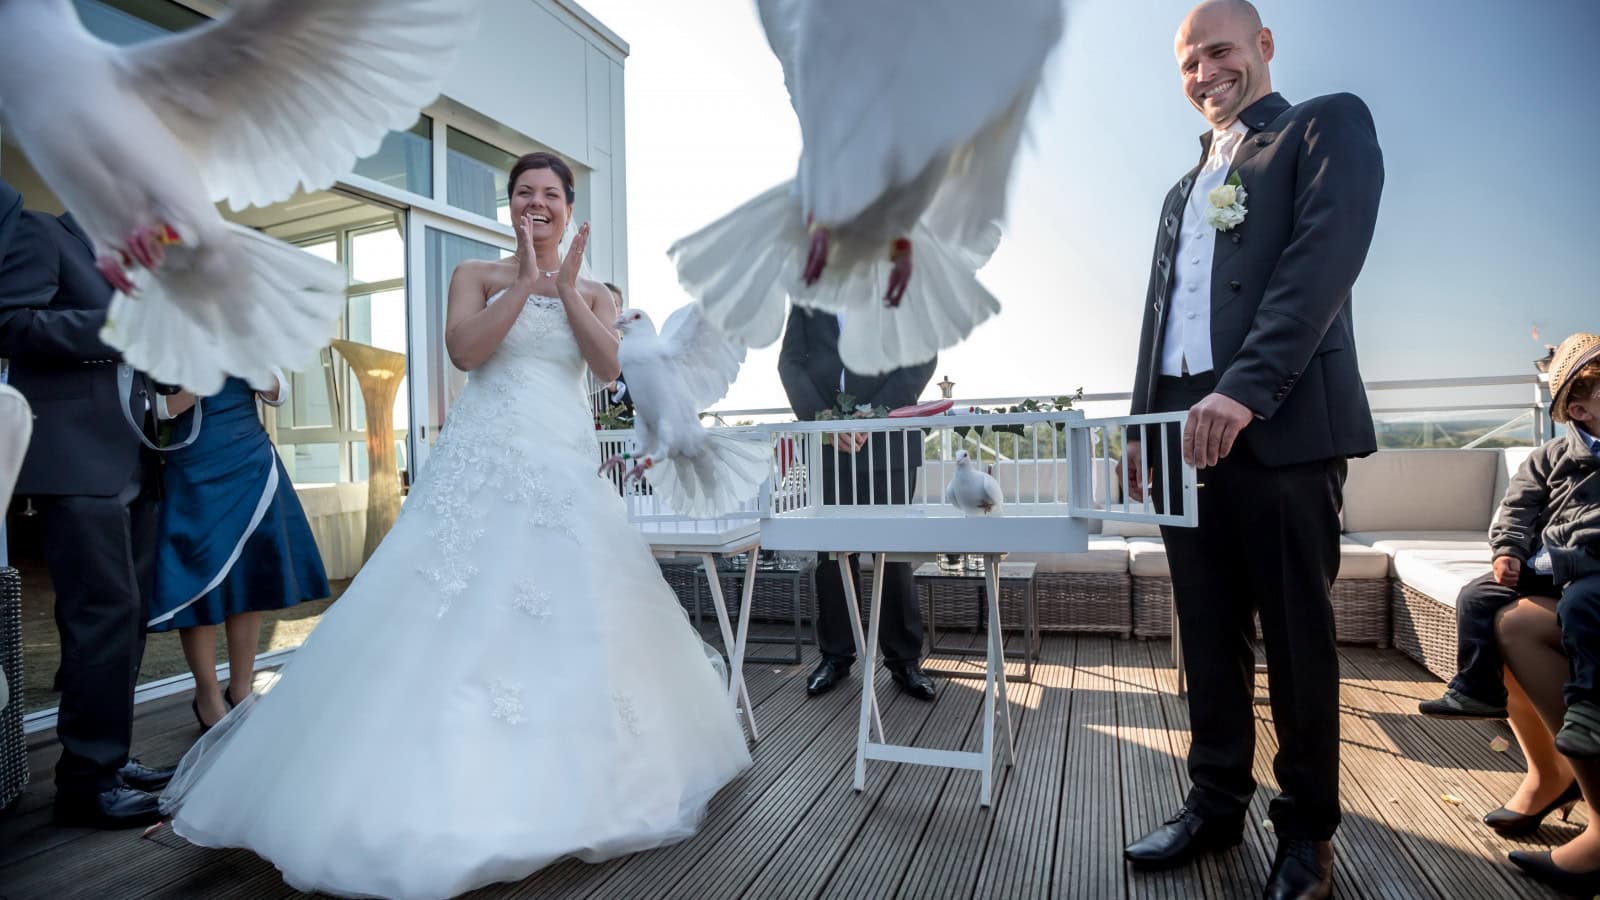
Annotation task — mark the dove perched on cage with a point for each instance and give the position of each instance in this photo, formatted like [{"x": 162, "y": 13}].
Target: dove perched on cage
[
  {"x": 140, "y": 143},
  {"x": 973, "y": 491},
  {"x": 673, "y": 377},
  {"x": 911, "y": 114}
]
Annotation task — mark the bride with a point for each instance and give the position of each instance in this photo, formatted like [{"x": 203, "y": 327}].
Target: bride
[{"x": 509, "y": 680}]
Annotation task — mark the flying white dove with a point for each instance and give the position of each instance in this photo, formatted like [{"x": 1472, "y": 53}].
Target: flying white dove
[
  {"x": 911, "y": 113},
  {"x": 972, "y": 491},
  {"x": 673, "y": 376},
  {"x": 139, "y": 143}
]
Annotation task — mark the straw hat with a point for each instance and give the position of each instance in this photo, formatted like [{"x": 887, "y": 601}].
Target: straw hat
[{"x": 1575, "y": 352}]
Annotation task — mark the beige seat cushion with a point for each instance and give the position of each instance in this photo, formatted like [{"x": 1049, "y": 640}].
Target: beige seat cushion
[
  {"x": 1511, "y": 459},
  {"x": 1106, "y": 556},
  {"x": 1421, "y": 490},
  {"x": 1147, "y": 558},
  {"x": 1394, "y": 542},
  {"x": 1357, "y": 560},
  {"x": 1441, "y": 574}
]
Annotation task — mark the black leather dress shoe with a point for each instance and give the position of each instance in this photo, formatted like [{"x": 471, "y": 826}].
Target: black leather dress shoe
[
  {"x": 1540, "y": 867},
  {"x": 1182, "y": 838},
  {"x": 120, "y": 807},
  {"x": 826, "y": 676},
  {"x": 141, "y": 777},
  {"x": 1302, "y": 870},
  {"x": 913, "y": 681}
]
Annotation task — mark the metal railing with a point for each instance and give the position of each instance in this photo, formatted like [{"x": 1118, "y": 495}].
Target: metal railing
[{"x": 1447, "y": 417}]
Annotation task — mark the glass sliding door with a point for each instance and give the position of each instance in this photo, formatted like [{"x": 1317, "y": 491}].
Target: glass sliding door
[{"x": 435, "y": 382}]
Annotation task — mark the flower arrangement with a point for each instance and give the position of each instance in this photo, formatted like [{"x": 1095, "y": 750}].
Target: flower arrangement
[{"x": 845, "y": 408}]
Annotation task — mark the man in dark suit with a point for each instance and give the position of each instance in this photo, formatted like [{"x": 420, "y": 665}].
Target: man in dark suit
[
  {"x": 95, "y": 488},
  {"x": 10, "y": 212},
  {"x": 813, "y": 377},
  {"x": 1247, "y": 325}
]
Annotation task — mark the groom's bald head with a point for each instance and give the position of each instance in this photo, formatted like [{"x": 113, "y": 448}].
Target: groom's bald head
[{"x": 1223, "y": 52}]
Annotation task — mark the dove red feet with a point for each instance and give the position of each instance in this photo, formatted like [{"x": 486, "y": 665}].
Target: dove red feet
[
  {"x": 146, "y": 247},
  {"x": 639, "y": 468},
  {"x": 613, "y": 463},
  {"x": 900, "y": 275},
  {"x": 110, "y": 266},
  {"x": 817, "y": 257},
  {"x": 618, "y": 460}
]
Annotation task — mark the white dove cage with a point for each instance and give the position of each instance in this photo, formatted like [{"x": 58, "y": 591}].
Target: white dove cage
[
  {"x": 673, "y": 536},
  {"x": 888, "y": 499}
]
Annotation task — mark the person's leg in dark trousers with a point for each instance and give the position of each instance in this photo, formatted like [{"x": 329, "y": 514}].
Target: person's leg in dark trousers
[
  {"x": 1578, "y": 611},
  {"x": 1214, "y": 620},
  {"x": 835, "y": 638},
  {"x": 1287, "y": 521},
  {"x": 100, "y": 552},
  {"x": 1480, "y": 672}
]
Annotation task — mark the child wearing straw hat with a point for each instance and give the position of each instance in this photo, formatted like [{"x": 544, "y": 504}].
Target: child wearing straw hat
[{"x": 1546, "y": 542}]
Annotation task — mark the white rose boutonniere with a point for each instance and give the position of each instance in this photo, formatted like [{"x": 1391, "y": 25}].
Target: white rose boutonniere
[{"x": 1226, "y": 204}]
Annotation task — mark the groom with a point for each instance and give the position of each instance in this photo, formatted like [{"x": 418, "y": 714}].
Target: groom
[
  {"x": 1247, "y": 325},
  {"x": 814, "y": 378}
]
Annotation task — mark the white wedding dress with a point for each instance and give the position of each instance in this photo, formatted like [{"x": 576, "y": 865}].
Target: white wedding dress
[{"x": 508, "y": 681}]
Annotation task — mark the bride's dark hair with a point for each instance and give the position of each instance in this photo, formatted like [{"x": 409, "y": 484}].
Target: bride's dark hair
[{"x": 542, "y": 160}]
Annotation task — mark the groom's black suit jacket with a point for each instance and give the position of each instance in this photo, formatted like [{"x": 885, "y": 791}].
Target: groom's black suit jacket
[
  {"x": 1282, "y": 333},
  {"x": 53, "y": 303}
]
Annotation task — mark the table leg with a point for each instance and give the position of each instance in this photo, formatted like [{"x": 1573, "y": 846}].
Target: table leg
[
  {"x": 869, "y": 670},
  {"x": 741, "y": 640},
  {"x": 995, "y": 685},
  {"x": 736, "y": 688},
  {"x": 868, "y": 657}
]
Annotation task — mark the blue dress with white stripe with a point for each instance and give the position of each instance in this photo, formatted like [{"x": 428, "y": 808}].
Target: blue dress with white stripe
[{"x": 233, "y": 537}]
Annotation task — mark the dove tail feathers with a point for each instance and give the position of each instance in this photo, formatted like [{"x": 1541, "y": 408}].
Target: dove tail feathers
[
  {"x": 739, "y": 267},
  {"x": 942, "y": 305},
  {"x": 726, "y": 474},
  {"x": 243, "y": 306}
]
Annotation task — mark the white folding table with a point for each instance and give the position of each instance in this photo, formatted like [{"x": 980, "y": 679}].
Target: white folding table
[{"x": 705, "y": 540}]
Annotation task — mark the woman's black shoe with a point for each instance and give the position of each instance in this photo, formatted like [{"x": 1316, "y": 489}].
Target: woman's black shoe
[
  {"x": 1540, "y": 867},
  {"x": 1515, "y": 824}
]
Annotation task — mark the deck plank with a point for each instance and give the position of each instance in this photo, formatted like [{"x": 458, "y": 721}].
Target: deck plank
[{"x": 1102, "y": 739}]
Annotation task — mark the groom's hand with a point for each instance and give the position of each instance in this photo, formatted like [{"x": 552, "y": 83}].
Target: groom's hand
[
  {"x": 1214, "y": 423},
  {"x": 1137, "y": 474}
]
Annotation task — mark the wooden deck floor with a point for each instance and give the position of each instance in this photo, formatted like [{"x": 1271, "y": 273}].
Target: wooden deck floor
[{"x": 1101, "y": 740}]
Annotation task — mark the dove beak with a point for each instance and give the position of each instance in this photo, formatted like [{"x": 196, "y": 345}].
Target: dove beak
[{"x": 621, "y": 321}]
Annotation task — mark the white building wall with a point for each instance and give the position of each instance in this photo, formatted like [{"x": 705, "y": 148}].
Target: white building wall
[{"x": 550, "y": 72}]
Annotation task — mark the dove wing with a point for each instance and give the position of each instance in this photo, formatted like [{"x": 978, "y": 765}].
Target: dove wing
[
  {"x": 883, "y": 87},
  {"x": 284, "y": 93},
  {"x": 700, "y": 358}
]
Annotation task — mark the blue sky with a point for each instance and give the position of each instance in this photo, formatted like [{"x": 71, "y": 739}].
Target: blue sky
[{"x": 1485, "y": 109}]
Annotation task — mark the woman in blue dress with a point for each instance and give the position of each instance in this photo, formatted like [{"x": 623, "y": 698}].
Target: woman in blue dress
[{"x": 234, "y": 541}]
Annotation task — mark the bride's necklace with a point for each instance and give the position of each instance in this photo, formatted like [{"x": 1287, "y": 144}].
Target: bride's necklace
[{"x": 550, "y": 273}]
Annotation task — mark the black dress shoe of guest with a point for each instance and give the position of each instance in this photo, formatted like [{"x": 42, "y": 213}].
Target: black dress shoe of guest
[
  {"x": 120, "y": 807},
  {"x": 1540, "y": 867},
  {"x": 1182, "y": 838},
  {"x": 1302, "y": 870},
  {"x": 141, "y": 777},
  {"x": 1515, "y": 824},
  {"x": 826, "y": 676},
  {"x": 913, "y": 681}
]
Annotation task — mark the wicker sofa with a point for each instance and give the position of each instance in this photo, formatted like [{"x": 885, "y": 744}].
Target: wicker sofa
[{"x": 1428, "y": 511}]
